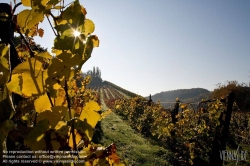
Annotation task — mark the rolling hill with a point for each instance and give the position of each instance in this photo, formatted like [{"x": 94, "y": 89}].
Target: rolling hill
[
  {"x": 109, "y": 92},
  {"x": 193, "y": 95}
]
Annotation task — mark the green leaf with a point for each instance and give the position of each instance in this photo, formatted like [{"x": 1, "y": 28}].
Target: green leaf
[
  {"x": 65, "y": 30},
  {"x": 4, "y": 65},
  {"x": 72, "y": 43},
  {"x": 73, "y": 15},
  {"x": 5, "y": 127},
  {"x": 54, "y": 116},
  {"x": 4, "y": 54},
  {"x": 28, "y": 78},
  {"x": 6, "y": 106},
  {"x": 35, "y": 139},
  {"x": 86, "y": 128},
  {"x": 64, "y": 42},
  {"x": 62, "y": 129},
  {"x": 25, "y": 118}
]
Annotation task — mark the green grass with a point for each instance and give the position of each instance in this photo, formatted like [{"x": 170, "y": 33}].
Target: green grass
[{"x": 131, "y": 146}]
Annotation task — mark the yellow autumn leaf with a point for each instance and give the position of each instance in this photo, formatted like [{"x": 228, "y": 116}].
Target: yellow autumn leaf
[
  {"x": 89, "y": 27},
  {"x": 28, "y": 78},
  {"x": 70, "y": 59},
  {"x": 32, "y": 3},
  {"x": 95, "y": 41},
  {"x": 45, "y": 54},
  {"x": 28, "y": 19},
  {"x": 42, "y": 104},
  {"x": 56, "y": 86},
  {"x": 89, "y": 113},
  {"x": 60, "y": 99},
  {"x": 40, "y": 32},
  {"x": 78, "y": 138},
  {"x": 26, "y": 2}
]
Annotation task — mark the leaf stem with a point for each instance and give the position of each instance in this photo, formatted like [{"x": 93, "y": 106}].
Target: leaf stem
[
  {"x": 35, "y": 119},
  {"x": 14, "y": 9},
  {"x": 51, "y": 24},
  {"x": 72, "y": 126},
  {"x": 27, "y": 44},
  {"x": 48, "y": 94}
]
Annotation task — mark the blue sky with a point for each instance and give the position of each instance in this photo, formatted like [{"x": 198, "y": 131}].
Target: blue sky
[{"x": 152, "y": 46}]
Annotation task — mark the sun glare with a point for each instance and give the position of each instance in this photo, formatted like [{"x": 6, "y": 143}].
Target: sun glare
[{"x": 76, "y": 33}]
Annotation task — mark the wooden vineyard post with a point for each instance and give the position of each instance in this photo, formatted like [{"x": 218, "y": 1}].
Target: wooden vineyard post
[
  {"x": 7, "y": 37},
  {"x": 221, "y": 133},
  {"x": 175, "y": 111},
  {"x": 150, "y": 100},
  {"x": 7, "y": 33}
]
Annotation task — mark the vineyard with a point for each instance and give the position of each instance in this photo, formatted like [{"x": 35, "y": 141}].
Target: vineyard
[
  {"x": 48, "y": 106},
  {"x": 188, "y": 132}
]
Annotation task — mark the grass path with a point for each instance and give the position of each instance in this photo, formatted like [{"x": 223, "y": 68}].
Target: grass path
[{"x": 130, "y": 145}]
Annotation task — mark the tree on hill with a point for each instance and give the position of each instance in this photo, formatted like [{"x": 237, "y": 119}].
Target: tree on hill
[
  {"x": 96, "y": 80},
  {"x": 96, "y": 72},
  {"x": 242, "y": 93}
]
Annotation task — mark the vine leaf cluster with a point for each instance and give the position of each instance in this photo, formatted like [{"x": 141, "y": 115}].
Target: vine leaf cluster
[{"x": 56, "y": 111}]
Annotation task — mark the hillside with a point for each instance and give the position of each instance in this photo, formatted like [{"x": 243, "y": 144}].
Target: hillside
[
  {"x": 193, "y": 95},
  {"x": 133, "y": 145},
  {"x": 111, "y": 92}
]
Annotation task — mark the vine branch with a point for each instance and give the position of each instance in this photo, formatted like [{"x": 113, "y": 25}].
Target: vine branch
[
  {"x": 51, "y": 24},
  {"x": 25, "y": 41},
  {"x": 72, "y": 126},
  {"x": 14, "y": 9}
]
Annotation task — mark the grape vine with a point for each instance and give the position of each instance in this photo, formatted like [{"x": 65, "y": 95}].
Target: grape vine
[
  {"x": 55, "y": 110},
  {"x": 189, "y": 134}
]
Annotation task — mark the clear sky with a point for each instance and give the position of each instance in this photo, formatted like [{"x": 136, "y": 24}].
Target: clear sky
[{"x": 149, "y": 46}]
